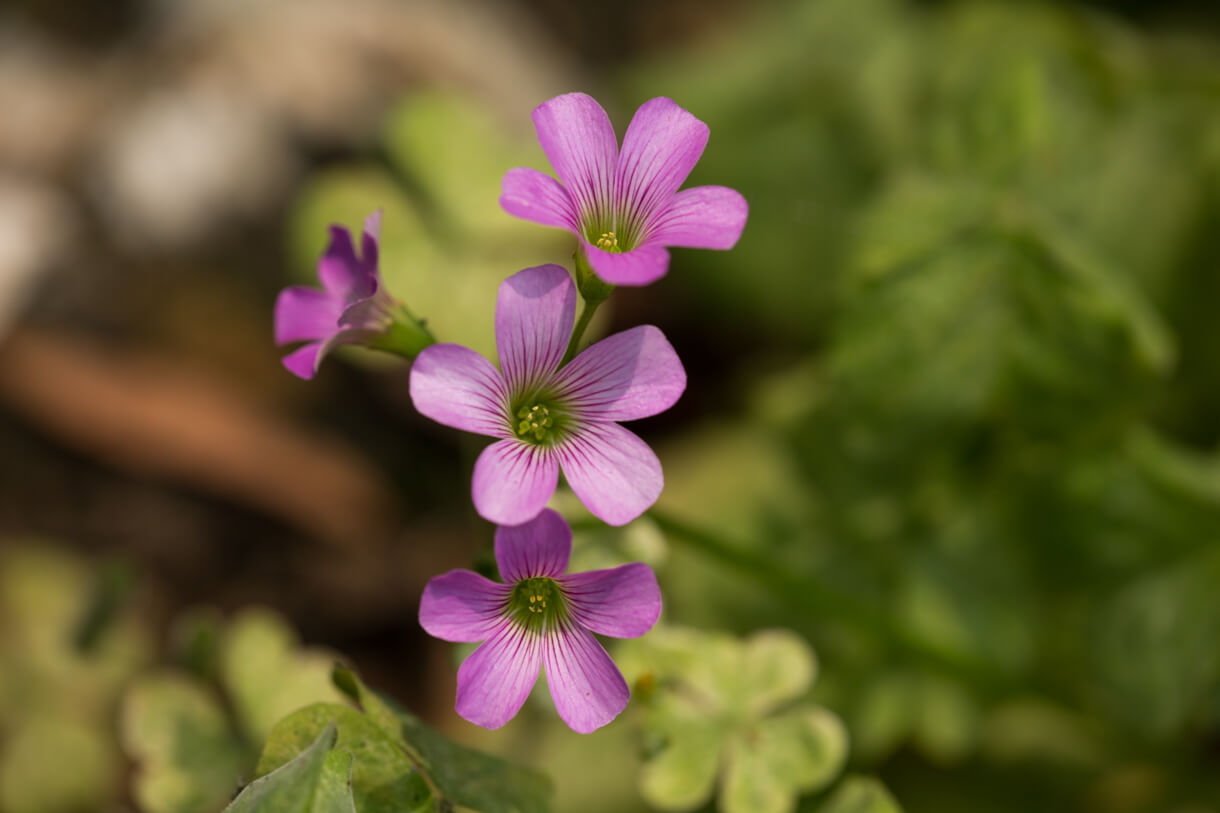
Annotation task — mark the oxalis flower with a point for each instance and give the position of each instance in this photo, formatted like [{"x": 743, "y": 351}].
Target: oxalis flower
[
  {"x": 624, "y": 207},
  {"x": 353, "y": 306},
  {"x": 547, "y": 417},
  {"x": 540, "y": 618}
]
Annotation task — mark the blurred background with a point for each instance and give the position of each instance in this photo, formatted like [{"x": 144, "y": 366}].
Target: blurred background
[{"x": 953, "y": 413}]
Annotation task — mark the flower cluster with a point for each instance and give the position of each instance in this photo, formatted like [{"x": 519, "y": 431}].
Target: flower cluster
[{"x": 550, "y": 406}]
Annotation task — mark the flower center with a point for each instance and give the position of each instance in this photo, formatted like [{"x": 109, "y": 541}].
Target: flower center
[
  {"x": 608, "y": 242},
  {"x": 537, "y": 603},
  {"x": 535, "y": 423}
]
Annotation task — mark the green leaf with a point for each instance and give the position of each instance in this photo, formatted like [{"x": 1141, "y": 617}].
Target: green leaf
[
  {"x": 1153, "y": 644},
  {"x": 683, "y": 775},
  {"x": 778, "y": 667},
  {"x": 991, "y": 314},
  {"x": 709, "y": 711},
  {"x": 458, "y": 152},
  {"x": 858, "y": 794},
  {"x": 188, "y": 758},
  {"x": 465, "y": 776},
  {"x": 50, "y": 764},
  {"x": 769, "y": 765},
  {"x": 316, "y": 781},
  {"x": 267, "y": 672},
  {"x": 383, "y": 778}
]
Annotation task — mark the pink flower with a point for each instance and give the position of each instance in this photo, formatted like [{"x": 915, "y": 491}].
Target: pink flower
[
  {"x": 540, "y": 618},
  {"x": 625, "y": 208},
  {"x": 353, "y": 306},
  {"x": 546, "y": 417}
]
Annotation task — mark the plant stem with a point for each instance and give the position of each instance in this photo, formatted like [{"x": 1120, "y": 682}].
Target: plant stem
[
  {"x": 594, "y": 292},
  {"x": 586, "y": 316}
]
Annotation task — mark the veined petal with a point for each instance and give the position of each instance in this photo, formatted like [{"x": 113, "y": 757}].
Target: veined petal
[
  {"x": 303, "y": 362},
  {"x": 630, "y": 375},
  {"x": 612, "y": 471},
  {"x": 639, "y": 266},
  {"x": 456, "y": 386},
  {"x": 341, "y": 274},
  {"x": 662, "y": 145},
  {"x": 536, "y": 196},
  {"x": 578, "y": 139},
  {"x": 588, "y": 689},
  {"x": 305, "y": 314},
  {"x": 701, "y": 217},
  {"x": 462, "y": 606},
  {"x": 512, "y": 481},
  {"x": 540, "y": 547},
  {"x": 497, "y": 677},
  {"x": 623, "y": 602},
  {"x": 535, "y": 311},
  {"x": 368, "y": 244}
]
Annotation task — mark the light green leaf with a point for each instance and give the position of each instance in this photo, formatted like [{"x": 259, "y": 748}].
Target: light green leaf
[
  {"x": 769, "y": 765},
  {"x": 779, "y": 666},
  {"x": 312, "y": 782},
  {"x": 683, "y": 775},
  {"x": 709, "y": 709},
  {"x": 458, "y": 151},
  {"x": 858, "y": 794},
  {"x": 188, "y": 759},
  {"x": 268, "y": 674},
  {"x": 50, "y": 764}
]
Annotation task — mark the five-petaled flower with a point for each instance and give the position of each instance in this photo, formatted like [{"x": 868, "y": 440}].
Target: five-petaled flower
[
  {"x": 547, "y": 417},
  {"x": 540, "y": 617},
  {"x": 352, "y": 307},
  {"x": 624, "y": 207}
]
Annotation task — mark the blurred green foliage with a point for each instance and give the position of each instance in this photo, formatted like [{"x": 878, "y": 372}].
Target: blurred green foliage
[
  {"x": 59, "y": 688},
  {"x": 961, "y": 437},
  {"x": 981, "y": 239}
]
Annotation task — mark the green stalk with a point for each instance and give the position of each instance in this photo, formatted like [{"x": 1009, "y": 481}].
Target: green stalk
[{"x": 594, "y": 292}]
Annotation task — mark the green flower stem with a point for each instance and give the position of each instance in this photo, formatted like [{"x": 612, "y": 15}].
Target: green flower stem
[
  {"x": 406, "y": 336},
  {"x": 586, "y": 316},
  {"x": 594, "y": 291}
]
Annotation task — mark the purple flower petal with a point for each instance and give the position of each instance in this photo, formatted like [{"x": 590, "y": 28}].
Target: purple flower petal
[
  {"x": 303, "y": 362},
  {"x": 340, "y": 273},
  {"x": 305, "y": 314},
  {"x": 640, "y": 266},
  {"x": 368, "y": 246},
  {"x": 662, "y": 145},
  {"x": 630, "y": 375},
  {"x": 456, "y": 386},
  {"x": 578, "y": 139},
  {"x": 623, "y": 602},
  {"x": 512, "y": 481},
  {"x": 462, "y": 606},
  {"x": 536, "y": 196},
  {"x": 612, "y": 471},
  {"x": 497, "y": 677},
  {"x": 701, "y": 217},
  {"x": 535, "y": 311},
  {"x": 588, "y": 689},
  {"x": 540, "y": 547}
]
